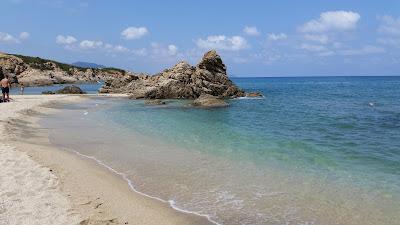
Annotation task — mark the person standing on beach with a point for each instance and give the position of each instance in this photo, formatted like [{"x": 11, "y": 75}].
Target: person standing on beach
[{"x": 5, "y": 88}]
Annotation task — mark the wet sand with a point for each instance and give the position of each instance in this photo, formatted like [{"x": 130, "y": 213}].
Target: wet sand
[{"x": 40, "y": 184}]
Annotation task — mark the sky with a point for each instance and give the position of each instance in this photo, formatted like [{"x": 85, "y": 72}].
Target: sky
[{"x": 254, "y": 38}]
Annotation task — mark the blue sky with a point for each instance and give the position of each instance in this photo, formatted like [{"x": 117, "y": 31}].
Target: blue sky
[{"x": 255, "y": 38}]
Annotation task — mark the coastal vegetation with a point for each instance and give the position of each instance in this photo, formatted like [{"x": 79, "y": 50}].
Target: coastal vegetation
[{"x": 42, "y": 64}]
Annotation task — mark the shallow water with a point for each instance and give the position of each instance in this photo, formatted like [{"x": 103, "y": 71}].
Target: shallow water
[{"x": 313, "y": 151}]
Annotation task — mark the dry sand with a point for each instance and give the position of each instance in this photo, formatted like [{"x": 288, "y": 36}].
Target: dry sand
[{"x": 43, "y": 185}]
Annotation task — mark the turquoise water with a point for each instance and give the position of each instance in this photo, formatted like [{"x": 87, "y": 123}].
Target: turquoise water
[
  {"x": 312, "y": 151},
  {"x": 324, "y": 123}
]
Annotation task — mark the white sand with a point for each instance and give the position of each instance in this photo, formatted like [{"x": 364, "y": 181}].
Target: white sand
[
  {"x": 43, "y": 185},
  {"x": 29, "y": 192}
]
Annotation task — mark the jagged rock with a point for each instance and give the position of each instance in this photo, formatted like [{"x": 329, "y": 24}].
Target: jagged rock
[
  {"x": 209, "y": 101},
  {"x": 71, "y": 90},
  {"x": 254, "y": 94},
  {"x": 111, "y": 84},
  {"x": 181, "y": 81}
]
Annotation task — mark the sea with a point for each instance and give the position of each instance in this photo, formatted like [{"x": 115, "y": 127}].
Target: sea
[{"x": 312, "y": 150}]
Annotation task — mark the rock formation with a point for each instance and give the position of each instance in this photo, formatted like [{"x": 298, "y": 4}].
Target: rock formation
[
  {"x": 181, "y": 81},
  {"x": 34, "y": 71},
  {"x": 70, "y": 90}
]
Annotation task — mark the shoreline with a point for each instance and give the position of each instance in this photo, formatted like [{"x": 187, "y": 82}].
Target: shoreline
[
  {"x": 89, "y": 188},
  {"x": 96, "y": 194}
]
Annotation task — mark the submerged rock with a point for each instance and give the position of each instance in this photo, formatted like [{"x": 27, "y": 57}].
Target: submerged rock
[
  {"x": 154, "y": 102},
  {"x": 183, "y": 81},
  {"x": 209, "y": 101},
  {"x": 71, "y": 90},
  {"x": 254, "y": 94}
]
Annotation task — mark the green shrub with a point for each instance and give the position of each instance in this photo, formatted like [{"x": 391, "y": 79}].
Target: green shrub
[{"x": 111, "y": 69}]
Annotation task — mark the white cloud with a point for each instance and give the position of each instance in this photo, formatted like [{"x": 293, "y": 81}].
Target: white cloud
[
  {"x": 8, "y": 38},
  {"x": 251, "y": 31},
  {"x": 221, "y": 42},
  {"x": 24, "y": 35},
  {"x": 120, "y": 48},
  {"x": 389, "y": 25},
  {"x": 162, "y": 51},
  {"x": 332, "y": 21},
  {"x": 172, "y": 49},
  {"x": 87, "y": 44},
  {"x": 111, "y": 48},
  {"x": 134, "y": 32},
  {"x": 323, "y": 39},
  {"x": 366, "y": 50},
  {"x": 313, "y": 48},
  {"x": 277, "y": 37},
  {"x": 65, "y": 40},
  {"x": 71, "y": 43}
]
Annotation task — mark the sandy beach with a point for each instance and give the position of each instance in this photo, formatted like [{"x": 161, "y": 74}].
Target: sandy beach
[{"x": 43, "y": 185}]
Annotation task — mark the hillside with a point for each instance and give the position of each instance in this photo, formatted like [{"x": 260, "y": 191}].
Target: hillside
[{"x": 35, "y": 71}]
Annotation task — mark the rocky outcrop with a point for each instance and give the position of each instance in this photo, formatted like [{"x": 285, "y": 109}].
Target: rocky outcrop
[
  {"x": 254, "y": 94},
  {"x": 183, "y": 81},
  {"x": 34, "y": 71},
  {"x": 209, "y": 101},
  {"x": 70, "y": 90}
]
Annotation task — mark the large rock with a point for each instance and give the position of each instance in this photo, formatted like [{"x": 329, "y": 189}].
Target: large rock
[
  {"x": 12, "y": 67},
  {"x": 71, "y": 90},
  {"x": 209, "y": 101},
  {"x": 181, "y": 81}
]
